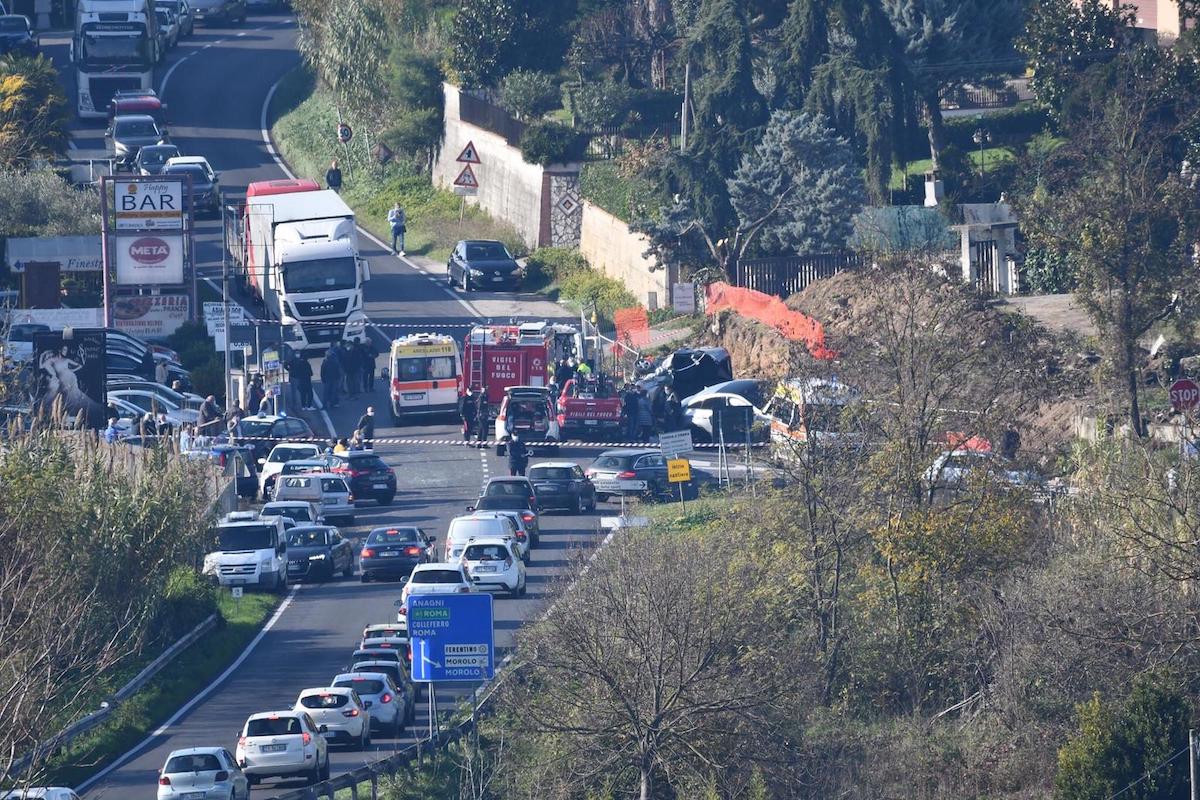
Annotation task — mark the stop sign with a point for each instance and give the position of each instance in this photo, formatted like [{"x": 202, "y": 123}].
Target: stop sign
[{"x": 1185, "y": 394}]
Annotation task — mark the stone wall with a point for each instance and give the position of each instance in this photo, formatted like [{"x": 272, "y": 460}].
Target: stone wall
[{"x": 609, "y": 246}]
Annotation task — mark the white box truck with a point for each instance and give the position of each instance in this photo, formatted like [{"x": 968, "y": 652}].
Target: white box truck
[
  {"x": 298, "y": 254},
  {"x": 114, "y": 48}
]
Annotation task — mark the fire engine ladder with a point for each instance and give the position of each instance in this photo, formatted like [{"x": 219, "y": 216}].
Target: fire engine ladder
[{"x": 476, "y": 377}]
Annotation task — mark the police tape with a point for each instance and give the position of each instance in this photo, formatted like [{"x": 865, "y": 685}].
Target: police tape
[{"x": 541, "y": 444}]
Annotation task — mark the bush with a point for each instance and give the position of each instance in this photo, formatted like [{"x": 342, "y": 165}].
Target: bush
[
  {"x": 198, "y": 355},
  {"x": 654, "y": 107},
  {"x": 600, "y": 105},
  {"x": 528, "y": 95},
  {"x": 554, "y": 264},
  {"x": 187, "y": 600},
  {"x": 548, "y": 143},
  {"x": 1047, "y": 272},
  {"x": 40, "y": 203},
  {"x": 591, "y": 289}
]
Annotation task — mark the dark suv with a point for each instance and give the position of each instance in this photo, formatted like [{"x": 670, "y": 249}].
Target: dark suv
[
  {"x": 562, "y": 484},
  {"x": 634, "y": 473},
  {"x": 369, "y": 477}
]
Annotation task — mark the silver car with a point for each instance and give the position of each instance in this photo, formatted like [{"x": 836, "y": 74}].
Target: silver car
[
  {"x": 130, "y": 133},
  {"x": 392, "y": 705}
]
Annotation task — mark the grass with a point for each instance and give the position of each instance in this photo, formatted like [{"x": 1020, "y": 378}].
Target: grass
[
  {"x": 178, "y": 682},
  {"x": 992, "y": 156},
  {"x": 304, "y": 119}
]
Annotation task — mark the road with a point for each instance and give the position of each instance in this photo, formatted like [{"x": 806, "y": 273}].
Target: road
[{"x": 215, "y": 96}]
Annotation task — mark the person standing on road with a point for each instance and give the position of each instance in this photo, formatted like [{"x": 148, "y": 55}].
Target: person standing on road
[
  {"x": 674, "y": 411},
  {"x": 160, "y": 373},
  {"x": 300, "y": 372},
  {"x": 466, "y": 410},
  {"x": 112, "y": 432},
  {"x": 518, "y": 456},
  {"x": 333, "y": 177},
  {"x": 645, "y": 418},
  {"x": 366, "y": 427},
  {"x": 370, "y": 356},
  {"x": 209, "y": 417},
  {"x": 331, "y": 378},
  {"x": 351, "y": 363},
  {"x": 481, "y": 417},
  {"x": 254, "y": 393},
  {"x": 399, "y": 222}
]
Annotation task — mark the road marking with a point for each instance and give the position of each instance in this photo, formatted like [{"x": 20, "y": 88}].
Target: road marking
[{"x": 162, "y": 729}]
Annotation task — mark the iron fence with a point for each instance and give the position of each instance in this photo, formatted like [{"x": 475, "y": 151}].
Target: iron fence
[{"x": 786, "y": 276}]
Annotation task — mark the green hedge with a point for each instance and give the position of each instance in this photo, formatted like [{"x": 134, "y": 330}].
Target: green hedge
[
  {"x": 545, "y": 143},
  {"x": 188, "y": 599},
  {"x": 577, "y": 281}
]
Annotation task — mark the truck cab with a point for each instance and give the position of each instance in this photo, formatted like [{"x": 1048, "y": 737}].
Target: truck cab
[{"x": 115, "y": 47}]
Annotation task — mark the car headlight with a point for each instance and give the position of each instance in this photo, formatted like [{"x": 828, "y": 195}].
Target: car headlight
[
  {"x": 356, "y": 322},
  {"x": 476, "y": 273},
  {"x": 317, "y": 557},
  {"x": 210, "y": 566},
  {"x": 265, "y": 566}
]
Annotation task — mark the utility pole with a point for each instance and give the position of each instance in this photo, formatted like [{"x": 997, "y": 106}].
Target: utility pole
[
  {"x": 225, "y": 302},
  {"x": 1192, "y": 764},
  {"x": 687, "y": 105}
]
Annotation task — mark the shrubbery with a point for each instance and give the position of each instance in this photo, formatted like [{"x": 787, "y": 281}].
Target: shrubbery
[
  {"x": 577, "y": 281},
  {"x": 198, "y": 355},
  {"x": 528, "y": 95},
  {"x": 187, "y": 600},
  {"x": 548, "y": 143}
]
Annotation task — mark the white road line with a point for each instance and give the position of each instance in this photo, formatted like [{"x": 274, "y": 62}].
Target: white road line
[{"x": 190, "y": 704}]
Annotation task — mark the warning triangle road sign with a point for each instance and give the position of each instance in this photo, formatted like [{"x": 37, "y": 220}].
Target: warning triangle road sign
[
  {"x": 467, "y": 179},
  {"x": 468, "y": 155}
]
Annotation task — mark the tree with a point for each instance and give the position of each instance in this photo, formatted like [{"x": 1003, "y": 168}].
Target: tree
[
  {"x": 1115, "y": 202},
  {"x": 346, "y": 44},
  {"x": 528, "y": 95},
  {"x": 600, "y": 104},
  {"x": 804, "y": 161},
  {"x": 40, "y": 203},
  {"x": 1134, "y": 749},
  {"x": 33, "y": 111},
  {"x": 491, "y": 38},
  {"x": 947, "y": 42}
]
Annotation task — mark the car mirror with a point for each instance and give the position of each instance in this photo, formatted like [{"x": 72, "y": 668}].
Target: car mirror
[
  {"x": 470, "y": 509},
  {"x": 398, "y": 604},
  {"x": 262, "y": 461},
  {"x": 108, "y": 132}
]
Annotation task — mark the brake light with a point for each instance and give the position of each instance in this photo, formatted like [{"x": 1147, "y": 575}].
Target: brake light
[
  {"x": 351, "y": 713},
  {"x": 164, "y": 781},
  {"x": 358, "y": 473},
  {"x": 412, "y": 551},
  {"x": 532, "y": 501},
  {"x": 242, "y": 742},
  {"x": 402, "y": 611},
  {"x": 520, "y": 536},
  {"x": 627, "y": 474},
  {"x": 408, "y": 655},
  {"x": 367, "y": 553},
  {"x": 508, "y": 562},
  {"x": 527, "y": 516},
  {"x": 350, "y": 498},
  {"x": 387, "y": 698},
  {"x": 306, "y": 737},
  {"x": 221, "y": 776}
]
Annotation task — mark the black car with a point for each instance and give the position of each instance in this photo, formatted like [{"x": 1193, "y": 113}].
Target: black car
[
  {"x": 391, "y": 553},
  {"x": 262, "y": 432},
  {"x": 17, "y": 36},
  {"x": 151, "y": 159},
  {"x": 369, "y": 477},
  {"x": 640, "y": 472},
  {"x": 483, "y": 264},
  {"x": 204, "y": 195},
  {"x": 561, "y": 484},
  {"x": 318, "y": 551}
]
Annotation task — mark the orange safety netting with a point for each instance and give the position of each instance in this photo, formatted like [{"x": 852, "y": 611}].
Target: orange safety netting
[
  {"x": 769, "y": 310},
  {"x": 633, "y": 326}
]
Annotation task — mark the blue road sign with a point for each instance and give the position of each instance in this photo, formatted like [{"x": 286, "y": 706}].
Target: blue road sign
[{"x": 451, "y": 637}]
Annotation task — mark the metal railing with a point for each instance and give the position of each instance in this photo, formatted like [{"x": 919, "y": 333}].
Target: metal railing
[{"x": 786, "y": 276}]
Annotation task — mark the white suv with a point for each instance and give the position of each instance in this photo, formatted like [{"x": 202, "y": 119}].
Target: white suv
[
  {"x": 494, "y": 563},
  {"x": 283, "y": 744},
  {"x": 431, "y": 579},
  {"x": 475, "y": 526},
  {"x": 211, "y": 773},
  {"x": 391, "y": 705},
  {"x": 340, "y": 713}
]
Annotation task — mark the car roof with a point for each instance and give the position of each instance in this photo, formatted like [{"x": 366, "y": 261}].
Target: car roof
[
  {"x": 360, "y": 675},
  {"x": 150, "y": 148},
  {"x": 325, "y": 690},
  {"x": 187, "y": 160},
  {"x": 507, "y": 479},
  {"x": 192, "y": 751},
  {"x": 505, "y": 540},
  {"x": 554, "y": 464},
  {"x": 438, "y": 565},
  {"x": 288, "y": 712},
  {"x": 631, "y": 451},
  {"x": 481, "y": 241},
  {"x": 309, "y": 526},
  {"x": 21, "y": 17}
]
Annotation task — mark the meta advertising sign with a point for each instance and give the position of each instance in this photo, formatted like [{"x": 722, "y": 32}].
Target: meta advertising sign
[
  {"x": 148, "y": 259},
  {"x": 451, "y": 637},
  {"x": 141, "y": 205}
]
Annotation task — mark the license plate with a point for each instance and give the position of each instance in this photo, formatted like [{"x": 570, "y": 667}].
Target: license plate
[
  {"x": 484, "y": 569},
  {"x": 591, "y": 422},
  {"x": 413, "y": 395},
  {"x": 273, "y": 748},
  {"x": 544, "y": 487},
  {"x": 238, "y": 581},
  {"x": 388, "y": 554},
  {"x": 497, "y": 278},
  {"x": 381, "y": 486},
  {"x": 193, "y": 795}
]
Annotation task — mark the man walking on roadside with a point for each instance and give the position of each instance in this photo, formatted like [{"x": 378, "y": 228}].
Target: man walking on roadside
[
  {"x": 399, "y": 222},
  {"x": 366, "y": 427},
  {"x": 209, "y": 417},
  {"x": 333, "y": 177},
  {"x": 481, "y": 416}
]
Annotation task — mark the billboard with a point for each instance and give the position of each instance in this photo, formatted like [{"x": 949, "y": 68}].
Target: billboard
[
  {"x": 150, "y": 316},
  {"x": 155, "y": 204},
  {"x": 148, "y": 259},
  {"x": 70, "y": 374}
]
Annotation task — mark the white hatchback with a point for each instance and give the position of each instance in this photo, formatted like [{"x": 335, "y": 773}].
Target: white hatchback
[
  {"x": 477, "y": 526},
  {"x": 341, "y": 714},
  {"x": 283, "y": 744},
  {"x": 431, "y": 579},
  {"x": 495, "y": 563},
  {"x": 202, "y": 773}
]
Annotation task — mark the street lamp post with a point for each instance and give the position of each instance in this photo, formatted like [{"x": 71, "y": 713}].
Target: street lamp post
[{"x": 981, "y": 137}]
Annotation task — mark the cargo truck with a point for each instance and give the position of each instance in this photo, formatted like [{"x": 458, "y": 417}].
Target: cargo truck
[{"x": 114, "y": 48}]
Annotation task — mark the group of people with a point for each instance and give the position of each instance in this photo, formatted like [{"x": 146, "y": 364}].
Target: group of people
[
  {"x": 644, "y": 414},
  {"x": 348, "y": 368}
]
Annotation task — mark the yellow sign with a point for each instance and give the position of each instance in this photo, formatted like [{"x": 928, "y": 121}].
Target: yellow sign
[{"x": 679, "y": 470}]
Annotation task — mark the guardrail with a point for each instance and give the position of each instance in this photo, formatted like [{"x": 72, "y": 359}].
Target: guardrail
[{"x": 87, "y": 723}]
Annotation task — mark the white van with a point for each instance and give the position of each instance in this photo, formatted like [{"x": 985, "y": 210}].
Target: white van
[
  {"x": 425, "y": 369},
  {"x": 476, "y": 526},
  {"x": 249, "y": 552},
  {"x": 328, "y": 492}
]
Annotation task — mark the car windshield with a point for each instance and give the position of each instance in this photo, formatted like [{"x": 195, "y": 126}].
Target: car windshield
[
  {"x": 610, "y": 462},
  {"x": 320, "y": 275},
  {"x": 367, "y": 462},
  {"x": 195, "y": 171},
  {"x": 312, "y": 537},
  {"x": 486, "y": 552},
  {"x": 12, "y": 25},
  {"x": 255, "y": 427},
  {"x": 466, "y": 528},
  {"x": 297, "y": 513},
  {"x": 334, "y": 485},
  {"x": 487, "y": 251},
  {"x": 135, "y": 128},
  {"x": 503, "y": 503},
  {"x": 154, "y": 156},
  {"x": 276, "y": 726},
  {"x": 320, "y": 701},
  {"x": 163, "y": 17},
  {"x": 395, "y": 536},
  {"x": 511, "y": 488},
  {"x": 282, "y": 455},
  {"x": 550, "y": 474},
  {"x": 378, "y": 654},
  {"x": 391, "y": 670},
  {"x": 361, "y": 685},
  {"x": 300, "y": 465},
  {"x": 245, "y": 537},
  {"x": 427, "y": 368},
  {"x": 437, "y": 576},
  {"x": 122, "y": 48},
  {"x": 196, "y": 762}
]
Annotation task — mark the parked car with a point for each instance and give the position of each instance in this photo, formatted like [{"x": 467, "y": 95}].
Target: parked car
[
  {"x": 562, "y": 484},
  {"x": 236, "y": 462},
  {"x": 208, "y": 772},
  {"x": 393, "y": 552},
  {"x": 528, "y": 411},
  {"x": 180, "y": 399},
  {"x": 264, "y": 431},
  {"x": 17, "y": 36},
  {"x": 634, "y": 472},
  {"x": 283, "y": 744},
  {"x": 483, "y": 264},
  {"x": 152, "y": 158},
  {"x": 183, "y": 12},
  {"x": 492, "y": 562},
  {"x": 318, "y": 551},
  {"x": 130, "y": 133},
  {"x": 391, "y": 705}
]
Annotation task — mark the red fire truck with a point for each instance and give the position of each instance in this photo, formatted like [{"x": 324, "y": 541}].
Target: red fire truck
[{"x": 499, "y": 356}]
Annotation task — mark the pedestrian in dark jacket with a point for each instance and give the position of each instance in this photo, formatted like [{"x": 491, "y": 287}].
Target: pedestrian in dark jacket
[
  {"x": 352, "y": 365},
  {"x": 366, "y": 427},
  {"x": 209, "y": 421},
  {"x": 466, "y": 410},
  {"x": 658, "y": 408},
  {"x": 482, "y": 417},
  {"x": 300, "y": 373},
  {"x": 333, "y": 177},
  {"x": 254, "y": 393},
  {"x": 645, "y": 418},
  {"x": 674, "y": 411},
  {"x": 518, "y": 456},
  {"x": 370, "y": 354},
  {"x": 331, "y": 378}
]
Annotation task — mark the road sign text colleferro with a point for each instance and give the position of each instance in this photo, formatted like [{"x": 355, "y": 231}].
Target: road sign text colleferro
[{"x": 452, "y": 638}]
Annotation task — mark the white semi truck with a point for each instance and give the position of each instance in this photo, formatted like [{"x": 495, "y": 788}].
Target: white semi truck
[
  {"x": 297, "y": 250},
  {"x": 114, "y": 48}
]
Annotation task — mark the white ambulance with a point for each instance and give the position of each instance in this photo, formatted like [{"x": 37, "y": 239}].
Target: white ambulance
[{"x": 426, "y": 375}]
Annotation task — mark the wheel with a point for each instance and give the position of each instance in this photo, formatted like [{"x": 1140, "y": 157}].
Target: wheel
[
  {"x": 365, "y": 578},
  {"x": 386, "y": 499},
  {"x": 524, "y": 587},
  {"x": 395, "y": 418},
  {"x": 281, "y": 583},
  {"x": 252, "y": 780},
  {"x": 314, "y": 776},
  {"x": 362, "y": 739},
  {"x": 398, "y": 724},
  {"x": 600, "y": 498},
  {"x": 449, "y": 278},
  {"x": 325, "y": 768},
  {"x": 466, "y": 282}
]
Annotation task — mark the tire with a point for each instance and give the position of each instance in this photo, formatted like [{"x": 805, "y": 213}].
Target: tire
[
  {"x": 500, "y": 449},
  {"x": 363, "y": 740},
  {"x": 466, "y": 282},
  {"x": 324, "y": 773},
  {"x": 523, "y": 589},
  {"x": 313, "y": 777},
  {"x": 386, "y": 499},
  {"x": 600, "y": 498},
  {"x": 365, "y": 578},
  {"x": 398, "y": 725},
  {"x": 449, "y": 278},
  {"x": 396, "y": 418},
  {"x": 281, "y": 583},
  {"x": 252, "y": 780}
]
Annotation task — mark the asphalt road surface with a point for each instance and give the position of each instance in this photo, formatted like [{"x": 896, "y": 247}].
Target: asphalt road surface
[{"x": 215, "y": 96}]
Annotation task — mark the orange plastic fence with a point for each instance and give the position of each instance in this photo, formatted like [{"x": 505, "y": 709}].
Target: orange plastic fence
[
  {"x": 633, "y": 326},
  {"x": 769, "y": 310}
]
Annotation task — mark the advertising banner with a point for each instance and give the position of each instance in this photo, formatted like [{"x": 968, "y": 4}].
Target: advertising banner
[
  {"x": 148, "y": 259},
  {"x": 141, "y": 204},
  {"x": 150, "y": 316},
  {"x": 70, "y": 375}
]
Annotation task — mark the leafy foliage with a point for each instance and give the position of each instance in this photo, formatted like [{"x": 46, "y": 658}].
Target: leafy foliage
[
  {"x": 40, "y": 203},
  {"x": 1047, "y": 271},
  {"x": 491, "y": 38},
  {"x": 803, "y": 180},
  {"x": 544, "y": 142},
  {"x": 346, "y": 44},
  {"x": 600, "y": 104},
  {"x": 33, "y": 111},
  {"x": 528, "y": 95}
]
